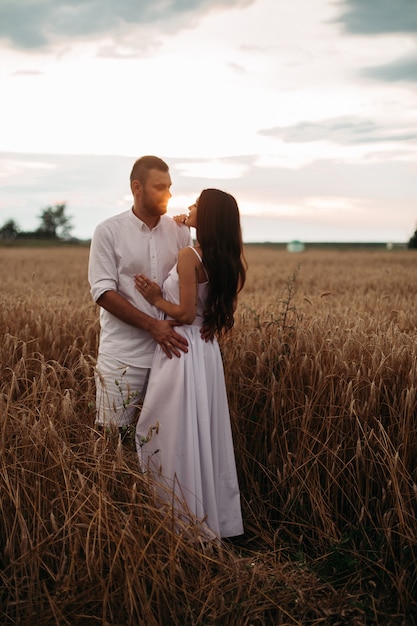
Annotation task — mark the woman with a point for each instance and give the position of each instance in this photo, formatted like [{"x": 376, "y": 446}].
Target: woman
[{"x": 183, "y": 433}]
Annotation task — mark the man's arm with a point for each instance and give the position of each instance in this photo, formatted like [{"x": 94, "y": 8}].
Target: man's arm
[
  {"x": 161, "y": 331},
  {"x": 121, "y": 308}
]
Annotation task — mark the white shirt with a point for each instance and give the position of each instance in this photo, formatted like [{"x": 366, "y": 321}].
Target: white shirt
[{"x": 121, "y": 247}]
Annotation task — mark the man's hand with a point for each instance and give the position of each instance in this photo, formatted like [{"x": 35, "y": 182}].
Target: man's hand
[{"x": 163, "y": 332}]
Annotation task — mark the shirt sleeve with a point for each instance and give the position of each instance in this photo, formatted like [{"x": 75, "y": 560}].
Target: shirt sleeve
[
  {"x": 186, "y": 237},
  {"x": 102, "y": 267}
]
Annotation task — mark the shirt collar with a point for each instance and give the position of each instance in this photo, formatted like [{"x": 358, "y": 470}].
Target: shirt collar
[{"x": 141, "y": 224}]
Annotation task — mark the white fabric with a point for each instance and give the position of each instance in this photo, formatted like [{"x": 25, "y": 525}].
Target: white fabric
[
  {"x": 186, "y": 416},
  {"x": 119, "y": 391},
  {"x": 121, "y": 247}
]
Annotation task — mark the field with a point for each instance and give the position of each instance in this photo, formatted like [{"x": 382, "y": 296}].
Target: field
[{"x": 321, "y": 374}]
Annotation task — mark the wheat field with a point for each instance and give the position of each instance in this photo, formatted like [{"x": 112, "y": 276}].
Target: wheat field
[{"x": 321, "y": 375}]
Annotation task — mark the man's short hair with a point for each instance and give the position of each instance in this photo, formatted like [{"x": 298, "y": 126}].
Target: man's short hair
[{"x": 141, "y": 167}]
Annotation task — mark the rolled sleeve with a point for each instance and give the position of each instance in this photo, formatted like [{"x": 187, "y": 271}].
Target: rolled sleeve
[{"x": 102, "y": 267}]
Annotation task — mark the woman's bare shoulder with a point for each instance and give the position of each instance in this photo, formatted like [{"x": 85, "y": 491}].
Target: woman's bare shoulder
[{"x": 188, "y": 254}]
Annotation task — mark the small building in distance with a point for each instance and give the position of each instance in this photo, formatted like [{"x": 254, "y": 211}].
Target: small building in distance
[{"x": 295, "y": 246}]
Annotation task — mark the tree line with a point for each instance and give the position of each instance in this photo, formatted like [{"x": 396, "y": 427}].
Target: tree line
[{"x": 54, "y": 224}]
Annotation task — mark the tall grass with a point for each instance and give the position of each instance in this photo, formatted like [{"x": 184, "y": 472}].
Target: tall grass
[{"x": 321, "y": 374}]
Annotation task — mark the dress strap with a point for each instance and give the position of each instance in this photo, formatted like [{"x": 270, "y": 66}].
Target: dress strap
[
  {"x": 200, "y": 259},
  {"x": 198, "y": 256}
]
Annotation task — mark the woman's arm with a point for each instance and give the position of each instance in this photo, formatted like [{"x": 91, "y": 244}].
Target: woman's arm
[{"x": 186, "y": 310}]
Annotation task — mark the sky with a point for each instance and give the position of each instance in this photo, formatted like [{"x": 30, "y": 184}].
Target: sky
[{"x": 306, "y": 111}]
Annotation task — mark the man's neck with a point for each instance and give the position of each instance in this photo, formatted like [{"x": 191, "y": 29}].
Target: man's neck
[{"x": 150, "y": 221}]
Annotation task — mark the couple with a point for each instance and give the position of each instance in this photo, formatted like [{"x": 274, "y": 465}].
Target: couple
[{"x": 183, "y": 434}]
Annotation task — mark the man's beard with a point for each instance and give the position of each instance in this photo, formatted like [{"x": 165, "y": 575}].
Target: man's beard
[{"x": 153, "y": 207}]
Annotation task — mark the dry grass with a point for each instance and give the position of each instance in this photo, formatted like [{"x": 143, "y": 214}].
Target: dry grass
[{"x": 321, "y": 371}]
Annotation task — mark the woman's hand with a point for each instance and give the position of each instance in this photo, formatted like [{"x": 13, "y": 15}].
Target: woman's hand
[
  {"x": 150, "y": 291},
  {"x": 207, "y": 333},
  {"x": 180, "y": 219}
]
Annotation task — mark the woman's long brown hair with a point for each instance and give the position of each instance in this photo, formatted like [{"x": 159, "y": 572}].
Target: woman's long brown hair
[{"x": 220, "y": 237}]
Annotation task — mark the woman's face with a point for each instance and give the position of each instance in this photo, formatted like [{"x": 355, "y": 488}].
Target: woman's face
[{"x": 192, "y": 215}]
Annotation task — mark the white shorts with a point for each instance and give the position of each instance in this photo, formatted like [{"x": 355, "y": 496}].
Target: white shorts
[{"x": 120, "y": 389}]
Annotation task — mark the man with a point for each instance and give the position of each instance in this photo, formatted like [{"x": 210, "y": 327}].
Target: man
[{"x": 141, "y": 240}]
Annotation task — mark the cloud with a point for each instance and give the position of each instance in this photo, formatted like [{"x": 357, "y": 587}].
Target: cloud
[
  {"x": 383, "y": 17},
  {"x": 404, "y": 69},
  {"x": 341, "y": 130},
  {"x": 220, "y": 169},
  {"x": 27, "y": 73},
  {"x": 39, "y": 23},
  {"x": 374, "y": 17}
]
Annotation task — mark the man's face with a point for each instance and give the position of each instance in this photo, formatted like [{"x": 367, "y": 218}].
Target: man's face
[{"x": 156, "y": 193}]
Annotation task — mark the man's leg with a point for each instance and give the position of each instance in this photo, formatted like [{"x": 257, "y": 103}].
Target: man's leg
[{"x": 119, "y": 391}]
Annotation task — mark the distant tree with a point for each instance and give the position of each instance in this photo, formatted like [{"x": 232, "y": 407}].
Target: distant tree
[
  {"x": 55, "y": 224},
  {"x": 413, "y": 241},
  {"x": 9, "y": 230}
]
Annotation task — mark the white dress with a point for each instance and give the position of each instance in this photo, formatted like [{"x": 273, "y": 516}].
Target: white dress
[{"x": 183, "y": 435}]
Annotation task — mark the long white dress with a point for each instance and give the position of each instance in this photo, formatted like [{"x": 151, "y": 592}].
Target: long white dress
[{"x": 183, "y": 435}]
